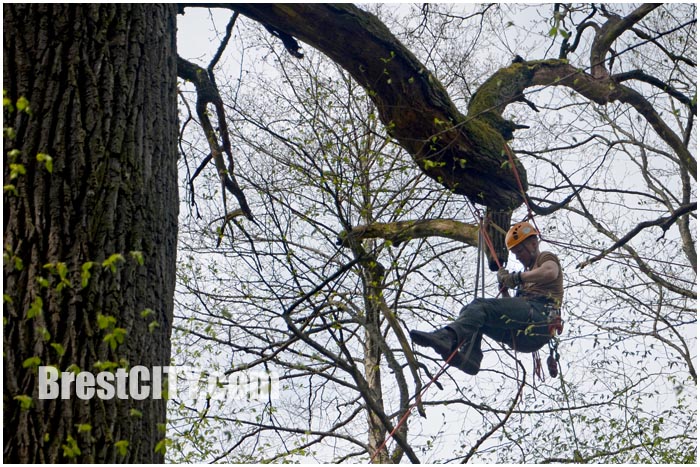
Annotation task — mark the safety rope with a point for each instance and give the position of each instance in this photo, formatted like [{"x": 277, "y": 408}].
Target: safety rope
[
  {"x": 480, "y": 246},
  {"x": 555, "y": 364},
  {"x": 483, "y": 238},
  {"x": 523, "y": 194},
  {"x": 403, "y": 419},
  {"x": 553, "y": 361}
]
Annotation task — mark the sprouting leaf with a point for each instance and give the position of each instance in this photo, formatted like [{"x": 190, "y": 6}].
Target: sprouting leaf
[
  {"x": 115, "y": 338},
  {"x": 60, "y": 350},
  {"x": 70, "y": 448},
  {"x": 22, "y": 105},
  {"x": 44, "y": 333},
  {"x": 104, "y": 321},
  {"x": 31, "y": 362},
  {"x": 7, "y": 102},
  {"x": 62, "y": 271},
  {"x": 122, "y": 447},
  {"x": 112, "y": 261},
  {"x": 162, "y": 445},
  {"x": 105, "y": 366},
  {"x": 35, "y": 308},
  {"x": 25, "y": 402},
  {"x": 84, "y": 427},
  {"x": 147, "y": 312},
  {"x": 138, "y": 256},
  {"x": 16, "y": 170},
  {"x": 47, "y": 160},
  {"x": 85, "y": 273}
]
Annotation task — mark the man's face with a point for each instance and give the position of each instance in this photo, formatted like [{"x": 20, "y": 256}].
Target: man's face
[{"x": 524, "y": 252}]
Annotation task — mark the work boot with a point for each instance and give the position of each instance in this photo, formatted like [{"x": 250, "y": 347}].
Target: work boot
[
  {"x": 468, "y": 362},
  {"x": 443, "y": 341}
]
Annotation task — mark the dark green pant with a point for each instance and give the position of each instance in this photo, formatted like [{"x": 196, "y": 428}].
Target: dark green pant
[{"x": 516, "y": 322}]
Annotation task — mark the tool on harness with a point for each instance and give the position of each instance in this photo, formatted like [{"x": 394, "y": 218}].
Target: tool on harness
[
  {"x": 553, "y": 359},
  {"x": 555, "y": 328},
  {"x": 556, "y": 324}
]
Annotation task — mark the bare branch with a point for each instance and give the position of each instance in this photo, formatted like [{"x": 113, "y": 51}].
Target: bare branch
[
  {"x": 664, "y": 222},
  {"x": 609, "y": 32},
  {"x": 666, "y": 87},
  {"x": 207, "y": 93}
]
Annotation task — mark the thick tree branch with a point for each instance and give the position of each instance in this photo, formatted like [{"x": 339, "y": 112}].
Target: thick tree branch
[
  {"x": 609, "y": 32},
  {"x": 514, "y": 79},
  {"x": 399, "y": 232},
  {"x": 639, "y": 75},
  {"x": 207, "y": 93},
  {"x": 462, "y": 154}
]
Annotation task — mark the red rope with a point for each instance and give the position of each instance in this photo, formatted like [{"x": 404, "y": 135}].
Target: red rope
[
  {"x": 492, "y": 250},
  {"x": 419, "y": 398},
  {"x": 511, "y": 161}
]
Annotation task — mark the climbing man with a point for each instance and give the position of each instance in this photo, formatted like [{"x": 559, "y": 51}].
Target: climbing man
[{"x": 522, "y": 322}]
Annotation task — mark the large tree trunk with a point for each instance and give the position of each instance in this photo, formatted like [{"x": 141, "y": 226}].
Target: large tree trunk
[{"x": 100, "y": 82}]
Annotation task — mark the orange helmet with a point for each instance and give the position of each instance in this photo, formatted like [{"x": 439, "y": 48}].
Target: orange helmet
[{"x": 518, "y": 233}]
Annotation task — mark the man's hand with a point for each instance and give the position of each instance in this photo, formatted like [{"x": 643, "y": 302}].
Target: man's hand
[{"x": 508, "y": 279}]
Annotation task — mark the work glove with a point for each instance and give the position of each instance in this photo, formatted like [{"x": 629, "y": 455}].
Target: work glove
[{"x": 507, "y": 279}]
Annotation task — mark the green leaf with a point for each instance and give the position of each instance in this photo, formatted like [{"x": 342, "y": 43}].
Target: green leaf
[
  {"x": 84, "y": 427},
  {"x": 36, "y": 308},
  {"x": 122, "y": 447},
  {"x": 16, "y": 170},
  {"x": 115, "y": 338},
  {"x": 147, "y": 312},
  {"x": 112, "y": 261},
  {"x": 104, "y": 321},
  {"x": 31, "y": 362},
  {"x": 23, "y": 105},
  {"x": 71, "y": 449},
  {"x": 25, "y": 402},
  {"x": 138, "y": 256},
  {"x": 62, "y": 271},
  {"x": 162, "y": 445},
  {"x": 85, "y": 273},
  {"x": 152, "y": 326},
  {"x": 47, "y": 160},
  {"x": 7, "y": 102},
  {"x": 58, "y": 348},
  {"x": 105, "y": 366},
  {"x": 44, "y": 333}
]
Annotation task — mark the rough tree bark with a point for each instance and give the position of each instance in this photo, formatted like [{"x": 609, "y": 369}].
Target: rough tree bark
[{"x": 89, "y": 235}]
